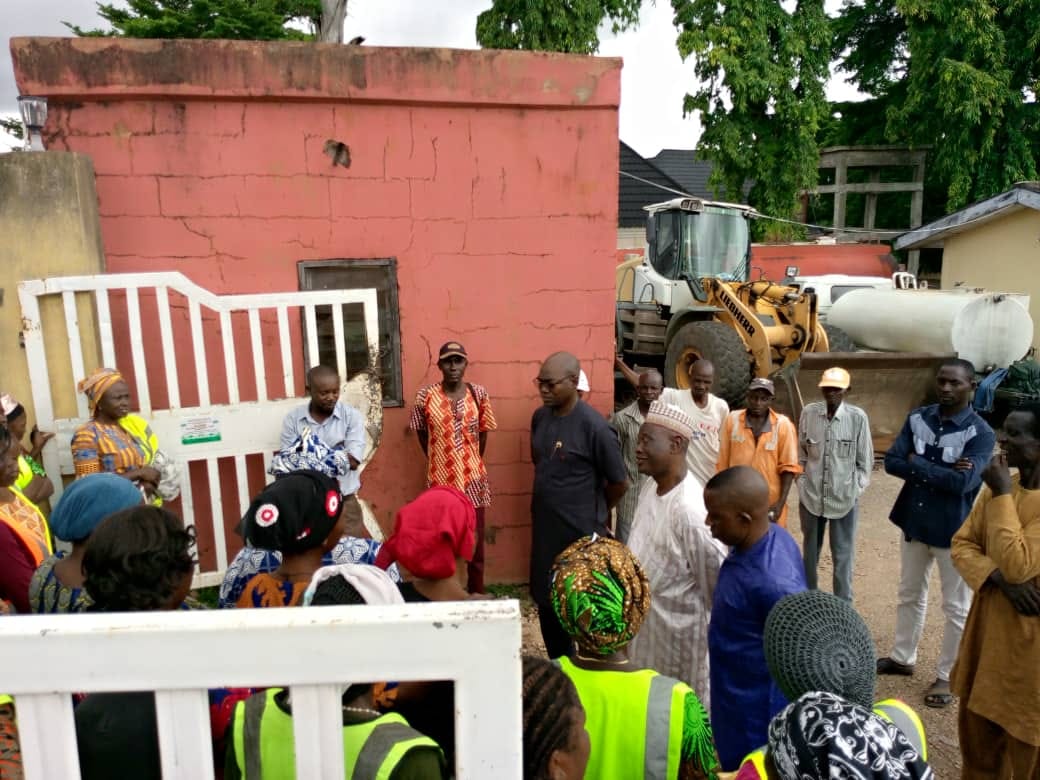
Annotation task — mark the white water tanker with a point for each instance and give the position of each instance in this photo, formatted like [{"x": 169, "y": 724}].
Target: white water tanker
[{"x": 990, "y": 329}]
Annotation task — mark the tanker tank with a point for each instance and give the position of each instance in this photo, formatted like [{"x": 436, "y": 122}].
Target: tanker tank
[{"x": 990, "y": 329}]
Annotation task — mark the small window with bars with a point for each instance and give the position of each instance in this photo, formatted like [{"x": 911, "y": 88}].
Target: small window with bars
[{"x": 344, "y": 274}]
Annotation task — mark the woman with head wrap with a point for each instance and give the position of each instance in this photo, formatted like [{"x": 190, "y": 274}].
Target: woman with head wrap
[
  {"x": 32, "y": 479},
  {"x": 600, "y": 595},
  {"x": 298, "y": 515},
  {"x": 822, "y": 736},
  {"x": 250, "y": 561},
  {"x": 816, "y": 643},
  {"x": 433, "y": 538},
  {"x": 57, "y": 585},
  {"x": 114, "y": 440},
  {"x": 25, "y": 539}
]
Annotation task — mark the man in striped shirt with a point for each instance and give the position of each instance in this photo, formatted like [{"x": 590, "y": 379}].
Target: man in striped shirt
[{"x": 836, "y": 454}]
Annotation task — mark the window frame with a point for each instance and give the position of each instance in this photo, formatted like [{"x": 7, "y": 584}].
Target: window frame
[{"x": 307, "y": 270}]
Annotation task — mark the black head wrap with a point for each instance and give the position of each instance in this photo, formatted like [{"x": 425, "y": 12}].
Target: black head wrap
[{"x": 294, "y": 513}]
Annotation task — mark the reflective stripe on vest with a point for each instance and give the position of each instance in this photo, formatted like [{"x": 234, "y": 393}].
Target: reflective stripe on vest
[
  {"x": 386, "y": 740},
  {"x": 371, "y": 750},
  {"x": 906, "y": 720},
  {"x": 658, "y": 727}
]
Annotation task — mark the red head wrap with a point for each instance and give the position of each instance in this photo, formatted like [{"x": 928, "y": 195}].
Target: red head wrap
[{"x": 430, "y": 533}]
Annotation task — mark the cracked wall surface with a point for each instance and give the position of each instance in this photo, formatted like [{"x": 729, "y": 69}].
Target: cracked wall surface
[{"x": 490, "y": 176}]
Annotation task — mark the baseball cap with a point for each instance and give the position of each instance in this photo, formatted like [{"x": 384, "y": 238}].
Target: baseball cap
[
  {"x": 836, "y": 377},
  {"x": 452, "y": 349},
  {"x": 760, "y": 383}
]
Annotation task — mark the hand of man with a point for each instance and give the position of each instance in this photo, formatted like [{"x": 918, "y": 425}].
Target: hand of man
[
  {"x": 1025, "y": 598},
  {"x": 997, "y": 476},
  {"x": 775, "y": 511},
  {"x": 964, "y": 464}
]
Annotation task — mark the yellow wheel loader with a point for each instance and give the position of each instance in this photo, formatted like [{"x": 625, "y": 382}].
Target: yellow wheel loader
[{"x": 691, "y": 297}]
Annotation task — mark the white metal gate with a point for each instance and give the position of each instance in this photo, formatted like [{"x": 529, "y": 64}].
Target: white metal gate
[
  {"x": 314, "y": 651},
  {"x": 169, "y": 328}
]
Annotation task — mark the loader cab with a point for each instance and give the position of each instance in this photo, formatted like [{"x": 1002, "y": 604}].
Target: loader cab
[{"x": 689, "y": 239}]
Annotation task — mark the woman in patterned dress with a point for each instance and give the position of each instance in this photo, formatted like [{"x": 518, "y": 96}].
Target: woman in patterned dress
[{"x": 25, "y": 539}]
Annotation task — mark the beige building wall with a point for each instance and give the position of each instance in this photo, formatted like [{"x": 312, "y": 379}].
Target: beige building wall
[
  {"x": 48, "y": 227},
  {"x": 1000, "y": 255}
]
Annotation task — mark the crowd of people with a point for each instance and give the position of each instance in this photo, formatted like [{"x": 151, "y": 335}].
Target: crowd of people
[{"x": 685, "y": 634}]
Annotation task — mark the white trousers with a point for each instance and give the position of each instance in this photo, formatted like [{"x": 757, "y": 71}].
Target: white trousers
[{"x": 916, "y": 559}]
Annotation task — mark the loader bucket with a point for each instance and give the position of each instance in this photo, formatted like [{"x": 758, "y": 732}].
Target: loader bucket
[{"x": 886, "y": 385}]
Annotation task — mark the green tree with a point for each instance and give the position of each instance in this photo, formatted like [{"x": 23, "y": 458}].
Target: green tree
[
  {"x": 256, "y": 20},
  {"x": 553, "y": 25},
  {"x": 959, "y": 76},
  {"x": 761, "y": 70}
]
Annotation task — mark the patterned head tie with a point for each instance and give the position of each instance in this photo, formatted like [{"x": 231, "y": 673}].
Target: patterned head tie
[
  {"x": 97, "y": 384},
  {"x": 671, "y": 417},
  {"x": 815, "y": 641},
  {"x": 823, "y": 736},
  {"x": 600, "y": 594}
]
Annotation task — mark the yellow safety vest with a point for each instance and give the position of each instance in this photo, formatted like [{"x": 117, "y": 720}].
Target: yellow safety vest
[
  {"x": 371, "y": 750},
  {"x": 647, "y": 740}
]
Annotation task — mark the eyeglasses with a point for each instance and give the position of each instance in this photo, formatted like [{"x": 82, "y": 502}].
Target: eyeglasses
[{"x": 552, "y": 384}]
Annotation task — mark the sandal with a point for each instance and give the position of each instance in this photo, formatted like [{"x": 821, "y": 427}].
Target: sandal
[
  {"x": 939, "y": 695},
  {"x": 890, "y": 666}
]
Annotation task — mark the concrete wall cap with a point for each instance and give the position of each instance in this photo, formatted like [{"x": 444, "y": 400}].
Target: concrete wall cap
[{"x": 126, "y": 68}]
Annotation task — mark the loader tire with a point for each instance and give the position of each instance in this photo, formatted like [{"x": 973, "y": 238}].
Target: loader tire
[
  {"x": 839, "y": 340},
  {"x": 715, "y": 342}
]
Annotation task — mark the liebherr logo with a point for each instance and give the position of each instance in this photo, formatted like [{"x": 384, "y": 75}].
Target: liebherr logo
[{"x": 738, "y": 315}]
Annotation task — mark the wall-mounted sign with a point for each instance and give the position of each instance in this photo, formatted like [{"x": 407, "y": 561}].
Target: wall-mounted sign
[{"x": 200, "y": 430}]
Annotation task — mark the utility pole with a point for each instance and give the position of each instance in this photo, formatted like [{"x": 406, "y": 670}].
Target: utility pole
[{"x": 333, "y": 14}]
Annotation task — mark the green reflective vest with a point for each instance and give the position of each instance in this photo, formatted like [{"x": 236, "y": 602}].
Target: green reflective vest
[
  {"x": 264, "y": 749},
  {"x": 634, "y": 720}
]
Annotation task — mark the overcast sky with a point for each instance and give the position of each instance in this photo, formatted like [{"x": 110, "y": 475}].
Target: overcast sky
[{"x": 653, "y": 80}]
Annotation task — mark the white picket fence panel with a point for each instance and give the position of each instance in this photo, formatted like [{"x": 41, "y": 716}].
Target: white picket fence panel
[
  {"x": 246, "y": 428},
  {"x": 315, "y": 651}
]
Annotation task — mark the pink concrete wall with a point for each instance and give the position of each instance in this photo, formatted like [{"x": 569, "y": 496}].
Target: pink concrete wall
[{"x": 490, "y": 176}]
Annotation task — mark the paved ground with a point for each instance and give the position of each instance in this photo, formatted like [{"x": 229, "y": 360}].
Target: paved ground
[{"x": 876, "y": 580}]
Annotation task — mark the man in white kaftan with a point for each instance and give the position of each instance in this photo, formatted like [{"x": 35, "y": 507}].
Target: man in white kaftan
[{"x": 681, "y": 558}]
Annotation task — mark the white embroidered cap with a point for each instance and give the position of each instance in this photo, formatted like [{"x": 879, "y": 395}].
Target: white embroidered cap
[{"x": 670, "y": 417}]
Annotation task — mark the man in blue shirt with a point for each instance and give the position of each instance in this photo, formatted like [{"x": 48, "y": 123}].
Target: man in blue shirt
[
  {"x": 764, "y": 565},
  {"x": 940, "y": 454},
  {"x": 338, "y": 426}
]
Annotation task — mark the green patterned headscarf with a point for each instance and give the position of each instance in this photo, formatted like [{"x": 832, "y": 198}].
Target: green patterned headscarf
[{"x": 600, "y": 594}]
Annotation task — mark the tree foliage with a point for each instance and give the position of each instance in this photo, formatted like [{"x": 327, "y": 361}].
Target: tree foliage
[
  {"x": 255, "y": 20},
  {"x": 959, "y": 77},
  {"x": 761, "y": 70},
  {"x": 12, "y": 127},
  {"x": 553, "y": 25}
]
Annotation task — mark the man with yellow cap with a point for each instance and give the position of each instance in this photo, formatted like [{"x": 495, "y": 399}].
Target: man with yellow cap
[{"x": 836, "y": 454}]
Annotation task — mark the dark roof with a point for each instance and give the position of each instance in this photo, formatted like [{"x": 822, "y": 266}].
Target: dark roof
[
  {"x": 1024, "y": 195},
  {"x": 683, "y": 166},
  {"x": 634, "y": 194}
]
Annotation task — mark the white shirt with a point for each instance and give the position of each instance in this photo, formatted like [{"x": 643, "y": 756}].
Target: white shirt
[
  {"x": 703, "y": 452},
  {"x": 681, "y": 559}
]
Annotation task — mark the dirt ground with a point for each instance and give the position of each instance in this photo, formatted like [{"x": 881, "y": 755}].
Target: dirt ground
[{"x": 876, "y": 578}]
